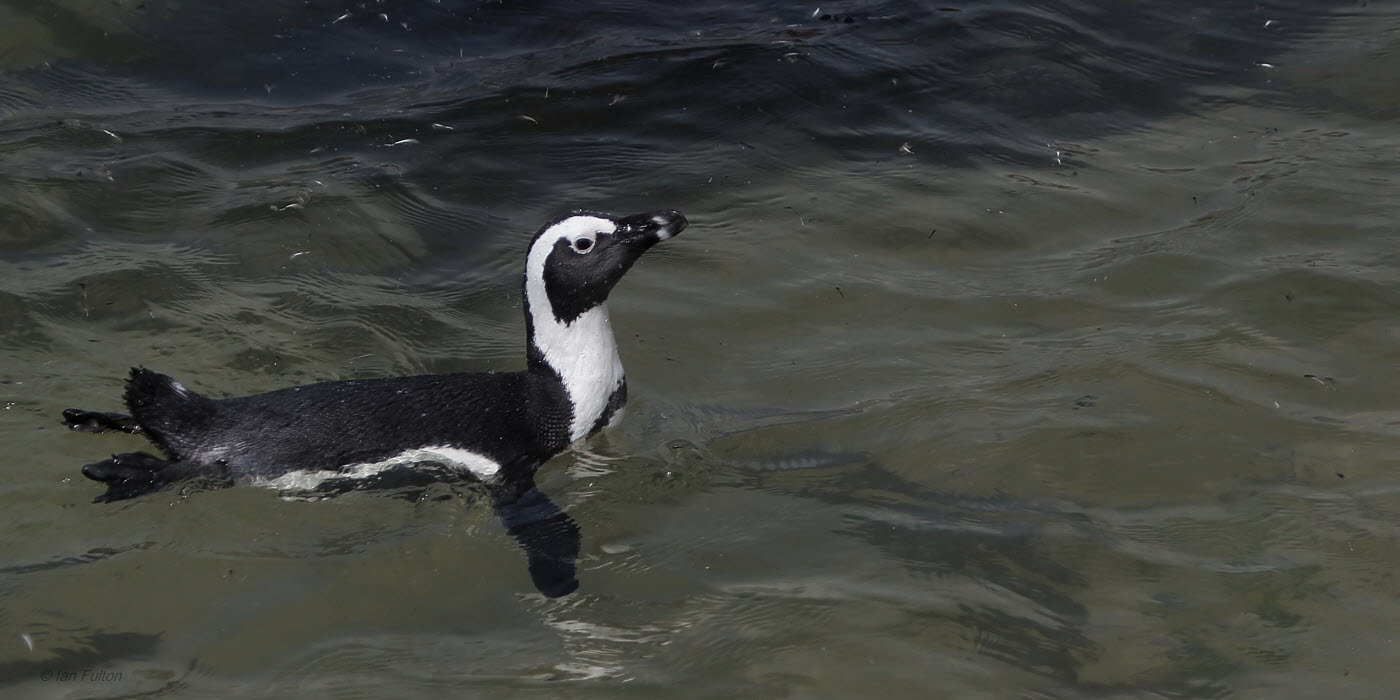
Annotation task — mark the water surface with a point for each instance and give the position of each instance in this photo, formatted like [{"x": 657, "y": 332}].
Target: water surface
[{"x": 1014, "y": 350}]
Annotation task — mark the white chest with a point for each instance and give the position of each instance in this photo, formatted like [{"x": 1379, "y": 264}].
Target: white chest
[{"x": 584, "y": 354}]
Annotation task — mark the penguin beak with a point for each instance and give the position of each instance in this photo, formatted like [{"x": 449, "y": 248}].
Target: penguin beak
[{"x": 645, "y": 230}]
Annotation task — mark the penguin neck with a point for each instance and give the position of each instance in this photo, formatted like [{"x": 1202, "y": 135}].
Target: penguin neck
[{"x": 582, "y": 354}]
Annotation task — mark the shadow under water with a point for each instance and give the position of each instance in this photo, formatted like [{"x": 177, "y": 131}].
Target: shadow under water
[{"x": 549, "y": 537}]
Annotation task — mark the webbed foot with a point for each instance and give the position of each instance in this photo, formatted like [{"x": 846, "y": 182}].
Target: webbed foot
[
  {"x": 127, "y": 475},
  {"x": 99, "y": 422}
]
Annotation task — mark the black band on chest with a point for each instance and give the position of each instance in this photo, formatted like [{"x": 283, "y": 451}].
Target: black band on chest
[{"x": 616, "y": 401}]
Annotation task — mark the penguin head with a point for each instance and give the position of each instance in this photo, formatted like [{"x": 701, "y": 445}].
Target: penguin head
[{"x": 574, "y": 261}]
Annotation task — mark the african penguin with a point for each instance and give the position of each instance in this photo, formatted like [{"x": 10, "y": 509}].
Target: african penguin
[{"x": 499, "y": 427}]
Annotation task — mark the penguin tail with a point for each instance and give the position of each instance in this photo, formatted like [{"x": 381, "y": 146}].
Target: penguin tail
[{"x": 168, "y": 413}]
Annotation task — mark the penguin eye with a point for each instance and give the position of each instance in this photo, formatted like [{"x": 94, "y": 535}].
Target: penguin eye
[{"x": 583, "y": 245}]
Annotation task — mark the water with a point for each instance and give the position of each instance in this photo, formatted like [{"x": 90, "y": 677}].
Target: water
[{"x": 1014, "y": 350}]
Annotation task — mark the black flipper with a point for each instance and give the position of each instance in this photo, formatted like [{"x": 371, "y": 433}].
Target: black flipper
[
  {"x": 548, "y": 535},
  {"x": 99, "y": 422},
  {"x": 128, "y": 475},
  {"x": 170, "y": 414}
]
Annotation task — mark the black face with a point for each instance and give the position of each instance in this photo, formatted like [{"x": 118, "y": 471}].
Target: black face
[{"x": 579, "y": 273}]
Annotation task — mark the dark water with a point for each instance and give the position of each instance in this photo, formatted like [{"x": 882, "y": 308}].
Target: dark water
[{"x": 1014, "y": 350}]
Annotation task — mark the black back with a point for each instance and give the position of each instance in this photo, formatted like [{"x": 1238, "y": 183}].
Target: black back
[{"x": 518, "y": 419}]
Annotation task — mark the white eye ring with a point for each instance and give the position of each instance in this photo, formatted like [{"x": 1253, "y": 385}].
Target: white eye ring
[{"x": 583, "y": 245}]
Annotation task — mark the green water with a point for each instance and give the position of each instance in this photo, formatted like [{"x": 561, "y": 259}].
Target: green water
[{"x": 1113, "y": 420}]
